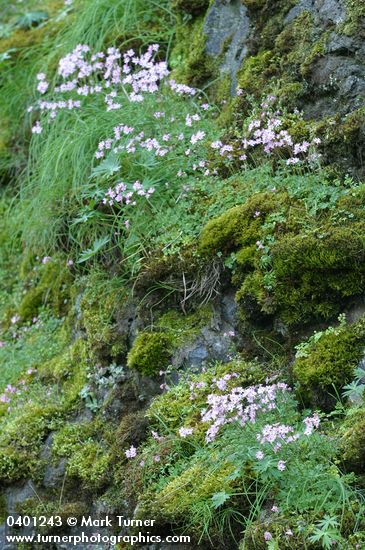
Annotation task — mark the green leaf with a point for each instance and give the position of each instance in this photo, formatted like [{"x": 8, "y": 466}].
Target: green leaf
[
  {"x": 32, "y": 19},
  {"x": 107, "y": 167},
  {"x": 90, "y": 252},
  {"x": 220, "y": 498}
]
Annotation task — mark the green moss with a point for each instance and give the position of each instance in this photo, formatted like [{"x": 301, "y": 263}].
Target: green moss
[
  {"x": 88, "y": 460},
  {"x": 21, "y": 439},
  {"x": 190, "y": 62},
  {"x": 257, "y": 71},
  {"x": 132, "y": 430},
  {"x": 352, "y": 442},
  {"x": 3, "y": 509},
  {"x": 46, "y": 507},
  {"x": 315, "y": 274},
  {"x": 183, "y": 328},
  {"x": 69, "y": 371},
  {"x": 192, "y": 7},
  {"x": 175, "y": 408},
  {"x": 50, "y": 285},
  {"x": 151, "y": 352},
  {"x": 188, "y": 495},
  {"x": 90, "y": 464},
  {"x": 99, "y": 303},
  {"x": 329, "y": 366},
  {"x": 239, "y": 226},
  {"x": 355, "y": 18}
]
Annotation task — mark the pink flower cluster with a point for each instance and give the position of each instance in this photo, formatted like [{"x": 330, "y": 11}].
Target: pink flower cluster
[
  {"x": 276, "y": 435},
  {"x": 196, "y": 386},
  {"x": 120, "y": 195},
  {"x": 184, "y": 432},
  {"x": 221, "y": 383},
  {"x": 12, "y": 391},
  {"x": 240, "y": 405},
  {"x": 107, "y": 73},
  {"x": 266, "y": 132},
  {"x": 131, "y": 452}
]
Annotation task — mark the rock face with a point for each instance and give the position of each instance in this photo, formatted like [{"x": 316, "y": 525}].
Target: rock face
[
  {"x": 320, "y": 60},
  {"x": 324, "y": 11},
  {"x": 228, "y": 27}
]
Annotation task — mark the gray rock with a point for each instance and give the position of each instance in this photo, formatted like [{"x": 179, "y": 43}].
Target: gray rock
[
  {"x": 14, "y": 496},
  {"x": 17, "y": 494},
  {"x": 331, "y": 11},
  {"x": 229, "y": 308},
  {"x": 227, "y": 22},
  {"x": 339, "y": 44},
  {"x": 54, "y": 474},
  {"x": 302, "y": 6},
  {"x": 326, "y": 12}
]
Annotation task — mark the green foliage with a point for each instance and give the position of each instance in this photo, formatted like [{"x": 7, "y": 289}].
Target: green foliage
[
  {"x": 329, "y": 365},
  {"x": 101, "y": 299},
  {"x": 150, "y": 353},
  {"x": 32, "y": 19},
  {"x": 352, "y": 443},
  {"x": 21, "y": 437},
  {"x": 175, "y": 408},
  {"x": 88, "y": 460},
  {"x": 34, "y": 345},
  {"x": 214, "y": 488},
  {"x": 192, "y": 7},
  {"x": 48, "y": 285}
]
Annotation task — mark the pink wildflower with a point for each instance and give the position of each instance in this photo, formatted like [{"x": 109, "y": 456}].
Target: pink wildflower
[
  {"x": 184, "y": 432},
  {"x": 131, "y": 452}
]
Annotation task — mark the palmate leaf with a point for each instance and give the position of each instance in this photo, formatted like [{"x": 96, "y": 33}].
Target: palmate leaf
[
  {"x": 220, "y": 498},
  {"x": 107, "y": 167},
  {"x": 32, "y": 19},
  {"x": 6, "y": 55},
  {"x": 90, "y": 252}
]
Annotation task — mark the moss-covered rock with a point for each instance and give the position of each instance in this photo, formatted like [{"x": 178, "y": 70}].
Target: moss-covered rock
[
  {"x": 352, "y": 442},
  {"x": 240, "y": 226},
  {"x": 192, "y": 7},
  {"x": 150, "y": 353},
  {"x": 329, "y": 365},
  {"x": 21, "y": 440},
  {"x": 49, "y": 286},
  {"x": 189, "y": 59},
  {"x": 87, "y": 459}
]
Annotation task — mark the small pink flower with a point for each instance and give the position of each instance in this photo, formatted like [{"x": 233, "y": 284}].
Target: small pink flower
[
  {"x": 259, "y": 455},
  {"x": 184, "y": 432},
  {"x": 281, "y": 465},
  {"x": 37, "y": 128},
  {"x": 267, "y": 535},
  {"x": 131, "y": 452},
  {"x": 275, "y": 509}
]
